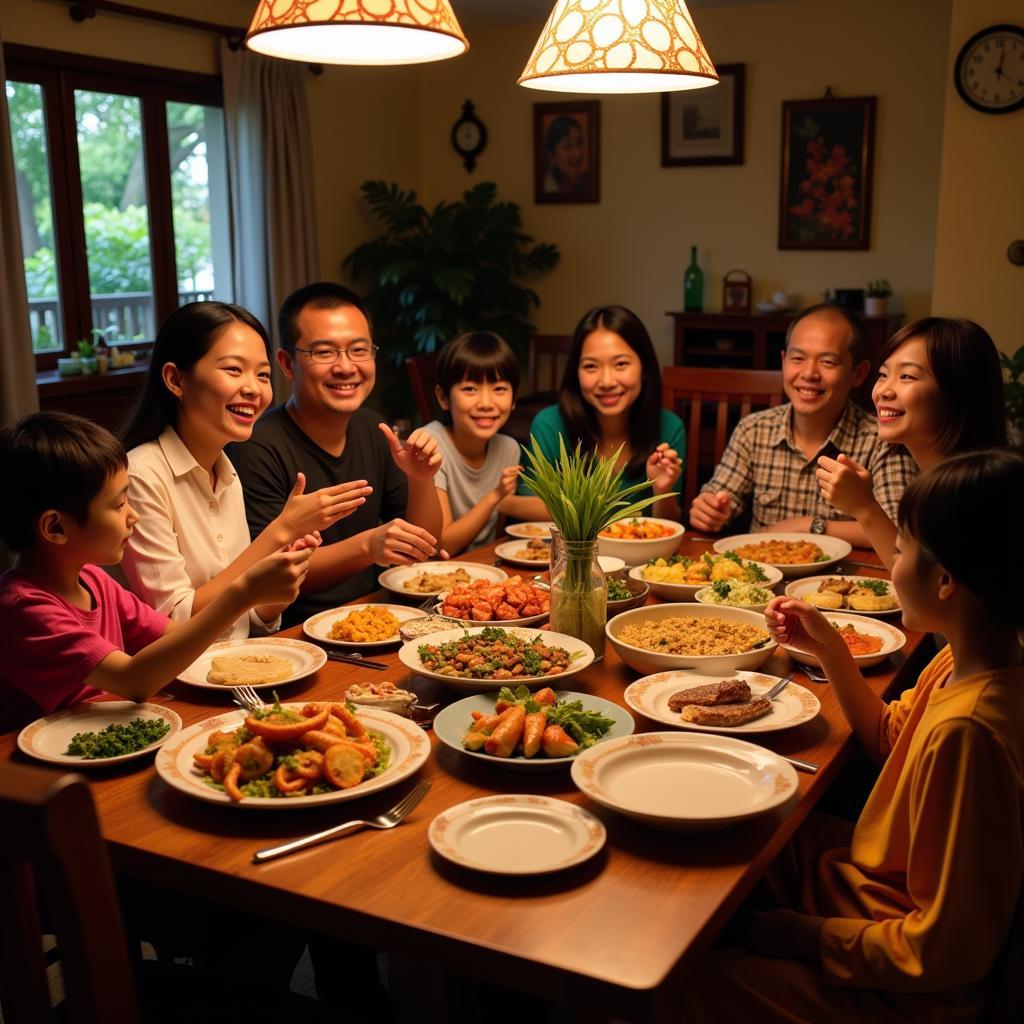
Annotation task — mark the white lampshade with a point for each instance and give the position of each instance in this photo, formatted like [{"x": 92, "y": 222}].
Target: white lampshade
[
  {"x": 356, "y": 31},
  {"x": 619, "y": 46}
]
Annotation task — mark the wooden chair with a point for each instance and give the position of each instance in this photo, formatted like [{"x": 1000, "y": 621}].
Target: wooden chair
[
  {"x": 544, "y": 365},
  {"x": 422, "y": 371},
  {"x": 731, "y": 394},
  {"x": 51, "y": 844}
]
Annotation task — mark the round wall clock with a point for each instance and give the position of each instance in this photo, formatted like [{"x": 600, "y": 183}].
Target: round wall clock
[
  {"x": 469, "y": 136},
  {"x": 989, "y": 71}
]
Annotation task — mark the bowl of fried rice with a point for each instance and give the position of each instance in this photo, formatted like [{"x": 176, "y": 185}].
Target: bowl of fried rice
[{"x": 710, "y": 638}]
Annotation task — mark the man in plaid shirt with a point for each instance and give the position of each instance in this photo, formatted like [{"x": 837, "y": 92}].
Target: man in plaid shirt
[{"x": 770, "y": 462}]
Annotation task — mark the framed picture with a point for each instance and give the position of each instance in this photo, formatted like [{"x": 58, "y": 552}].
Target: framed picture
[
  {"x": 705, "y": 126},
  {"x": 567, "y": 152},
  {"x": 827, "y": 149},
  {"x": 736, "y": 292}
]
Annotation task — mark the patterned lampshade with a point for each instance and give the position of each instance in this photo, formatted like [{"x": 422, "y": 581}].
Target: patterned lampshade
[
  {"x": 356, "y": 31},
  {"x": 619, "y": 46}
]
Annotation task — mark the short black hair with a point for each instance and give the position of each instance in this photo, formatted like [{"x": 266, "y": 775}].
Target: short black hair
[
  {"x": 858, "y": 330},
  {"x": 320, "y": 295},
  {"x": 941, "y": 504},
  {"x": 52, "y": 460},
  {"x": 477, "y": 356}
]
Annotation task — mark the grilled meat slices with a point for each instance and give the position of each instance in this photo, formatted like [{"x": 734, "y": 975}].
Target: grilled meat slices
[
  {"x": 728, "y": 691},
  {"x": 727, "y": 714}
]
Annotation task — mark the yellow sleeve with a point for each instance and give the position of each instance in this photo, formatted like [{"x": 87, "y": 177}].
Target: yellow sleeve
[
  {"x": 896, "y": 713},
  {"x": 964, "y": 872}
]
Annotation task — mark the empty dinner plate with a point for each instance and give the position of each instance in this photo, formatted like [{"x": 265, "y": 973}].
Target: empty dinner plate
[
  {"x": 684, "y": 781},
  {"x": 516, "y": 834}
]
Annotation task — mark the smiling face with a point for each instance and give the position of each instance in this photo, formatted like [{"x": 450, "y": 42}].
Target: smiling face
[
  {"x": 907, "y": 398},
  {"x": 610, "y": 373},
  {"x": 335, "y": 388},
  {"x": 101, "y": 539},
  {"x": 479, "y": 409},
  {"x": 220, "y": 398},
  {"x": 569, "y": 155},
  {"x": 817, "y": 367}
]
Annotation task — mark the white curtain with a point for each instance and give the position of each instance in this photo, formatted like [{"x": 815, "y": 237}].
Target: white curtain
[{"x": 270, "y": 175}]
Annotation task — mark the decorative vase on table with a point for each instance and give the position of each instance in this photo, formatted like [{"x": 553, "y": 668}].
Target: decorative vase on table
[
  {"x": 693, "y": 285},
  {"x": 579, "y": 593}
]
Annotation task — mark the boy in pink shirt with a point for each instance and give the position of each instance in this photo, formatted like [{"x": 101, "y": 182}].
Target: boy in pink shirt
[{"x": 67, "y": 631}]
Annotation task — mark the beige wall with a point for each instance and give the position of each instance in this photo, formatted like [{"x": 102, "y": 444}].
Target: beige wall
[{"x": 981, "y": 196}]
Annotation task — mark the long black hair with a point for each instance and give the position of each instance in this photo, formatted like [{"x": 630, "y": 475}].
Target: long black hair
[
  {"x": 580, "y": 417},
  {"x": 183, "y": 339}
]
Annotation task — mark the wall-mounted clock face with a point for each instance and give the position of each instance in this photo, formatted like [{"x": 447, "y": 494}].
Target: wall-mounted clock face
[
  {"x": 989, "y": 72},
  {"x": 469, "y": 136}
]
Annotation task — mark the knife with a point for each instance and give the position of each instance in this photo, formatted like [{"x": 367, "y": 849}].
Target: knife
[{"x": 356, "y": 659}]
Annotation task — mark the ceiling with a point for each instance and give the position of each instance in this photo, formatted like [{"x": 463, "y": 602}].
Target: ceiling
[{"x": 519, "y": 12}]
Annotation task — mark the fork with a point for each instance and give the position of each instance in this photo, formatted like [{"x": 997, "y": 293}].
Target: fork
[
  {"x": 389, "y": 819},
  {"x": 777, "y": 688},
  {"x": 815, "y": 675},
  {"x": 246, "y": 697}
]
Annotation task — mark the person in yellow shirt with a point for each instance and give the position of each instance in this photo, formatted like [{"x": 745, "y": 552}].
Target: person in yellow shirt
[{"x": 902, "y": 916}]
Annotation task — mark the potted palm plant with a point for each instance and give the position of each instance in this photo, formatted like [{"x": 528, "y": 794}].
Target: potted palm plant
[{"x": 1013, "y": 389}]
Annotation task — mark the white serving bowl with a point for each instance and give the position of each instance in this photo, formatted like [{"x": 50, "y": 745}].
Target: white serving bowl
[
  {"x": 634, "y": 552},
  {"x": 703, "y": 596},
  {"x": 893, "y": 639},
  {"x": 647, "y": 662},
  {"x": 610, "y": 565},
  {"x": 688, "y": 591},
  {"x": 834, "y": 548}
]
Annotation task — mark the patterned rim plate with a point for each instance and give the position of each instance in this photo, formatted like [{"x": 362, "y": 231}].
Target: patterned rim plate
[
  {"x": 684, "y": 781},
  {"x": 394, "y": 579},
  {"x": 649, "y": 697},
  {"x": 801, "y": 588},
  {"x": 518, "y": 834},
  {"x": 409, "y": 744},
  {"x": 306, "y": 659},
  {"x": 507, "y": 553},
  {"x": 834, "y": 548},
  {"x": 47, "y": 738},
  {"x": 893, "y": 639},
  {"x": 452, "y": 724},
  {"x": 318, "y": 627},
  {"x": 530, "y": 531}
]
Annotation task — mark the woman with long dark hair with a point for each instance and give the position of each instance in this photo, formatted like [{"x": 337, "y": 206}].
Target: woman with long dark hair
[
  {"x": 208, "y": 382},
  {"x": 610, "y": 402}
]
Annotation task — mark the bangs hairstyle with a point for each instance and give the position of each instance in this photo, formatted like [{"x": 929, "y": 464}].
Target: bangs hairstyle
[
  {"x": 477, "y": 356},
  {"x": 938, "y": 505},
  {"x": 964, "y": 361},
  {"x": 858, "y": 343},
  {"x": 183, "y": 339},
  {"x": 320, "y": 295},
  {"x": 51, "y": 460},
  {"x": 580, "y": 417}
]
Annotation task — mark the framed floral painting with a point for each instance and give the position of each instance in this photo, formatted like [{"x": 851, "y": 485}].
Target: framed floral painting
[{"x": 827, "y": 149}]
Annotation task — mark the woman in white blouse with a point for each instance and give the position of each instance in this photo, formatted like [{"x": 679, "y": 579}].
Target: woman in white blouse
[{"x": 208, "y": 382}]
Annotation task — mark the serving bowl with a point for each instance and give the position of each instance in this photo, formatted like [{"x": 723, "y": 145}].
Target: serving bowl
[
  {"x": 834, "y": 549},
  {"x": 703, "y": 596},
  {"x": 633, "y": 552},
  {"x": 647, "y": 662},
  {"x": 893, "y": 639},
  {"x": 638, "y": 591},
  {"x": 688, "y": 591}
]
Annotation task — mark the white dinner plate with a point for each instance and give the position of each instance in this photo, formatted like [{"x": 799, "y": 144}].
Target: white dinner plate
[
  {"x": 452, "y": 723},
  {"x": 893, "y": 639},
  {"x": 507, "y": 553},
  {"x": 318, "y": 627},
  {"x": 833, "y": 548},
  {"x": 408, "y": 655},
  {"x": 801, "y": 588},
  {"x": 305, "y": 657},
  {"x": 517, "y": 834},
  {"x": 409, "y": 745},
  {"x": 47, "y": 738},
  {"x": 394, "y": 578},
  {"x": 684, "y": 781},
  {"x": 650, "y": 695},
  {"x": 531, "y": 531}
]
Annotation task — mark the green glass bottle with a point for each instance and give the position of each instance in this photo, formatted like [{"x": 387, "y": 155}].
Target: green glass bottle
[{"x": 693, "y": 285}]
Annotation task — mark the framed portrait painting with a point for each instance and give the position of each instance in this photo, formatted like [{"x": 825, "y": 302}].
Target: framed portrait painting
[
  {"x": 825, "y": 195},
  {"x": 566, "y": 152},
  {"x": 700, "y": 127}
]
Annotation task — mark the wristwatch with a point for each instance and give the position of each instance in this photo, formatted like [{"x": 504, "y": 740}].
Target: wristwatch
[{"x": 817, "y": 525}]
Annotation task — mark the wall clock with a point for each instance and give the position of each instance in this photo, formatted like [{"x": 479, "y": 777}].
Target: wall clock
[
  {"x": 989, "y": 71},
  {"x": 469, "y": 136}
]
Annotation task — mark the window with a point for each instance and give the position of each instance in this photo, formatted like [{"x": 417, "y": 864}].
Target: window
[{"x": 140, "y": 157}]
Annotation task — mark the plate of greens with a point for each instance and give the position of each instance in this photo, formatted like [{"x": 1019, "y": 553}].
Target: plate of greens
[
  {"x": 99, "y": 733},
  {"x": 584, "y": 720}
]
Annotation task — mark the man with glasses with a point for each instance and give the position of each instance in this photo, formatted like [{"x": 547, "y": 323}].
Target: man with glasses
[{"x": 323, "y": 432}]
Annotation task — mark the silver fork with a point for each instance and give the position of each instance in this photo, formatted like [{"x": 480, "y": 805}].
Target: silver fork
[
  {"x": 814, "y": 674},
  {"x": 246, "y": 697},
  {"x": 777, "y": 688},
  {"x": 389, "y": 819}
]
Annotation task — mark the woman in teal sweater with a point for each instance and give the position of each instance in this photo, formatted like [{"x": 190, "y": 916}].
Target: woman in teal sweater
[{"x": 610, "y": 397}]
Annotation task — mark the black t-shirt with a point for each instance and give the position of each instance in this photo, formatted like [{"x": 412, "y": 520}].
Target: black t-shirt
[{"x": 278, "y": 450}]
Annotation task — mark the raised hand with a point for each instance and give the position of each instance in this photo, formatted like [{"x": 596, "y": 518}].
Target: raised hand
[
  {"x": 508, "y": 481},
  {"x": 401, "y": 543},
  {"x": 419, "y": 458},
  {"x": 710, "y": 512},
  {"x": 664, "y": 468},
  {"x": 845, "y": 485},
  {"x": 277, "y": 578},
  {"x": 307, "y": 513},
  {"x": 798, "y": 624}
]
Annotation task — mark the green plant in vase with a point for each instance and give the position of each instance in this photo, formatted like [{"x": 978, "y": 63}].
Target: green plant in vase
[{"x": 581, "y": 492}]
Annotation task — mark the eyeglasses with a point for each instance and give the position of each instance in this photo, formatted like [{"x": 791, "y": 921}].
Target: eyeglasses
[{"x": 360, "y": 352}]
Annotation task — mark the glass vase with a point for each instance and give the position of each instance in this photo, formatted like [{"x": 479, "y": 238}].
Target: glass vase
[{"x": 579, "y": 594}]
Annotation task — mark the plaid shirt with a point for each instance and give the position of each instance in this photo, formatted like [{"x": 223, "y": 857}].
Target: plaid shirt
[{"x": 763, "y": 467}]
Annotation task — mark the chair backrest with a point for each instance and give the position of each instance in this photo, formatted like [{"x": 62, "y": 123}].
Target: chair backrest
[
  {"x": 422, "y": 371},
  {"x": 711, "y": 402},
  {"x": 51, "y": 845},
  {"x": 544, "y": 363}
]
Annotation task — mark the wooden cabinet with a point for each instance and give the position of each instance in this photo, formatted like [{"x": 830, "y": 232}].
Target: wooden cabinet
[{"x": 104, "y": 397}]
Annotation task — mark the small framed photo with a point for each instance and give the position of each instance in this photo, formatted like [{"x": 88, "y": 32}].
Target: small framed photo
[
  {"x": 736, "y": 286},
  {"x": 825, "y": 194},
  {"x": 566, "y": 152},
  {"x": 700, "y": 127}
]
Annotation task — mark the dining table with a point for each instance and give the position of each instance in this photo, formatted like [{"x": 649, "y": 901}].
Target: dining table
[{"x": 614, "y": 936}]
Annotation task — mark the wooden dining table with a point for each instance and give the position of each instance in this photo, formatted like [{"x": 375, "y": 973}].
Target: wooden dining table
[{"x": 614, "y": 936}]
